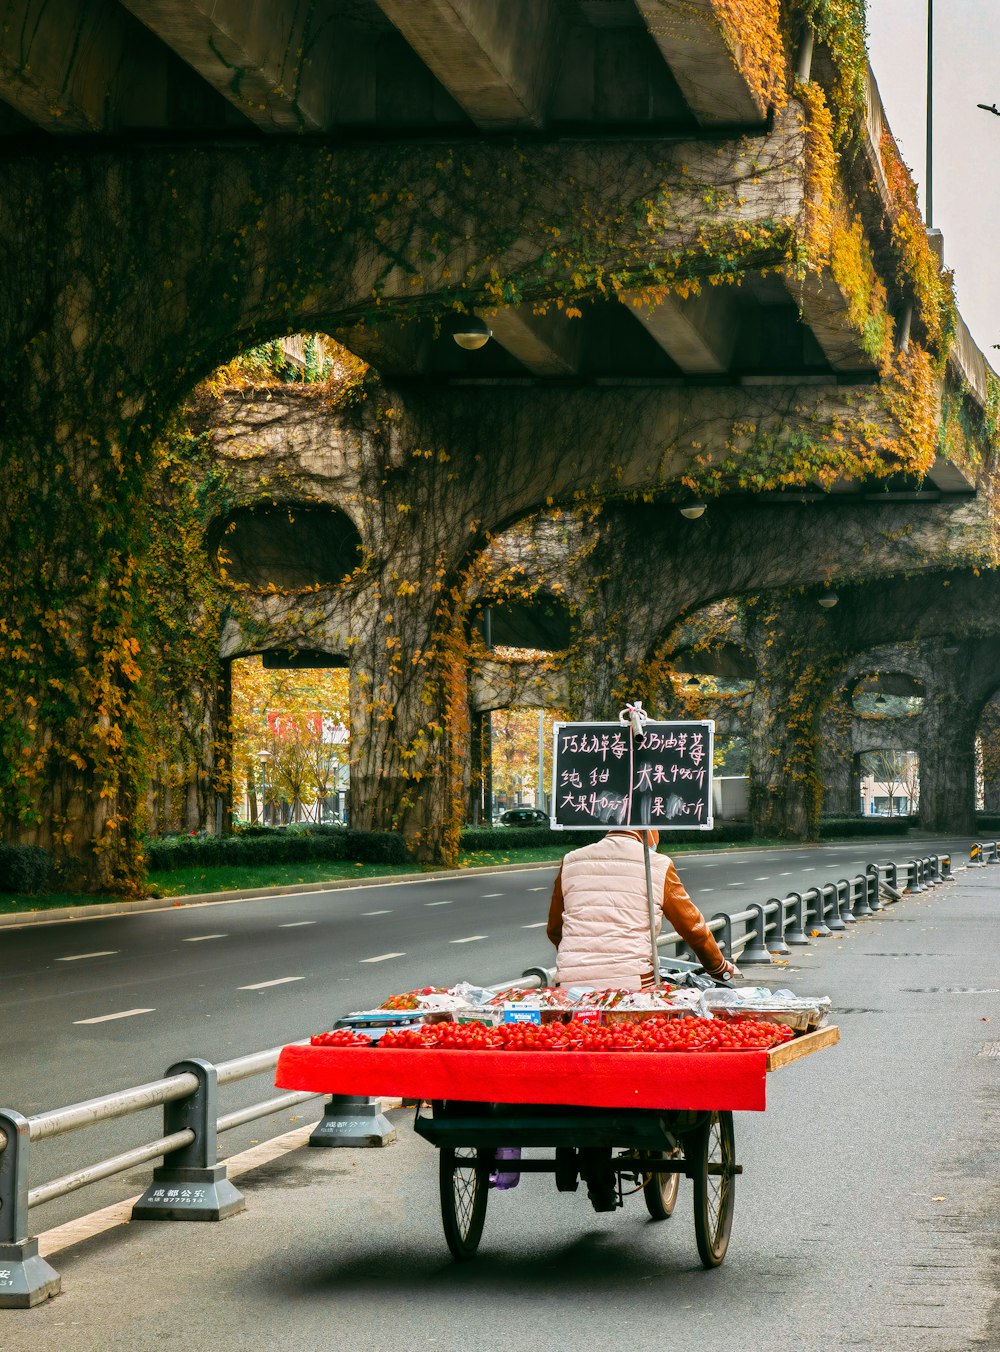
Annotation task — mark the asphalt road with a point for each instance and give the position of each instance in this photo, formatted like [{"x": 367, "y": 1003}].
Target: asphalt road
[
  {"x": 865, "y": 1218},
  {"x": 92, "y": 1006}
]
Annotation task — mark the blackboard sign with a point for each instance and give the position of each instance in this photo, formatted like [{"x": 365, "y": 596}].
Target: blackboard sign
[{"x": 605, "y": 776}]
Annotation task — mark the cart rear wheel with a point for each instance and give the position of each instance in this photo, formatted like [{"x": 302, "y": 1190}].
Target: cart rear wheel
[
  {"x": 660, "y": 1195},
  {"x": 464, "y": 1176},
  {"x": 712, "y": 1155}
]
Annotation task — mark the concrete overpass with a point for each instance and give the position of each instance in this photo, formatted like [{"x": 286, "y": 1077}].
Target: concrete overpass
[{"x": 631, "y": 193}]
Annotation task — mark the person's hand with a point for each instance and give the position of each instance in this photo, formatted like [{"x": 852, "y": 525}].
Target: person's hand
[{"x": 726, "y": 972}]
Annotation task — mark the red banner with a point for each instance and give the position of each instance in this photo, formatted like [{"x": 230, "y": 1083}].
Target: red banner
[{"x": 695, "y": 1080}]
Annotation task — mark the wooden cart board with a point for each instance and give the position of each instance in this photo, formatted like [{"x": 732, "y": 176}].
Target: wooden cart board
[{"x": 803, "y": 1046}]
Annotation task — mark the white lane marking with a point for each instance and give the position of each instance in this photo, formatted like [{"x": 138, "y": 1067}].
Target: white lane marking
[
  {"x": 765, "y": 879},
  {"x": 123, "y": 1014},
  {"x": 537, "y": 925},
  {"x": 262, "y": 985},
  {"x": 710, "y": 866},
  {"x": 536, "y": 889},
  {"x": 784, "y": 875},
  {"x": 384, "y": 957},
  {"x": 78, "y": 957},
  {"x": 488, "y": 896},
  {"x": 296, "y": 924},
  {"x": 471, "y": 939},
  {"x": 705, "y": 890},
  {"x": 376, "y": 913},
  {"x": 437, "y": 903},
  {"x": 200, "y": 938},
  {"x": 734, "y": 884},
  {"x": 808, "y": 870}
]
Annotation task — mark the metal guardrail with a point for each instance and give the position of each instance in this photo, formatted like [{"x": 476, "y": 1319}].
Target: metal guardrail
[{"x": 191, "y": 1185}]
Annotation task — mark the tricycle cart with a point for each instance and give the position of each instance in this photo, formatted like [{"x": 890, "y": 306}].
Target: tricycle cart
[{"x": 618, "y": 1122}]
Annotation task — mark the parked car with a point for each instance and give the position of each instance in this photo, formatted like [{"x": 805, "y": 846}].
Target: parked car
[{"x": 523, "y": 816}]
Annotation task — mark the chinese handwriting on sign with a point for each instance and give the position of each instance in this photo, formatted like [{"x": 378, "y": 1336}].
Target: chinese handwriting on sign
[{"x": 604, "y": 744}]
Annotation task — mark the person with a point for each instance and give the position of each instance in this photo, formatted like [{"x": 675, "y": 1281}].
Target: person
[
  {"x": 599, "y": 923},
  {"x": 599, "y": 914}
]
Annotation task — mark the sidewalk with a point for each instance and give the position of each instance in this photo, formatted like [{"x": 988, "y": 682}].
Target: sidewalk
[{"x": 866, "y": 1216}]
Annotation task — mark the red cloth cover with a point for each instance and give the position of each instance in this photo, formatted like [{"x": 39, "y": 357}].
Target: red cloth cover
[{"x": 699, "y": 1080}]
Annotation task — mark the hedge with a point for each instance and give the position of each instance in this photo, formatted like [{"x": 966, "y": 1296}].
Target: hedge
[
  {"x": 24, "y": 868},
  {"x": 864, "y": 826},
  {"x": 504, "y": 838},
  {"x": 276, "y": 847},
  {"x": 987, "y": 824}
]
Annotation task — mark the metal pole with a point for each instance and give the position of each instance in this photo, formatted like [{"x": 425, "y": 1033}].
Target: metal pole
[
  {"x": 487, "y": 731},
  {"x": 540, "y": 796},
  {"x": 929, "y": 186},
  {"x": 652, "y": 908}
]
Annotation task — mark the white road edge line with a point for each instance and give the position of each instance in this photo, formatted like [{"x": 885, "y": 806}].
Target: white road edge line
[
  {"x": 123, "y": 1014},
  {"x": 263, "y": 985},
  {"x": 472, "y": 938},
  {"x": 78, "y": 957},
  {"x": 384, "y": 957}
]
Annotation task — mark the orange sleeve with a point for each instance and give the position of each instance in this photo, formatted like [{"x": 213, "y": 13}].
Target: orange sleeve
[
  {"x": 554, "y": 928},
  {"x": 683, "y": 915}
]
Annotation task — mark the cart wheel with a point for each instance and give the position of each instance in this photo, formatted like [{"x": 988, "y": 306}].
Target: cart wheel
[
  {"x": 712, "y": 1155},
  {"x": 660, "y": 1194},
  {"x": 464, "y": 1176}
]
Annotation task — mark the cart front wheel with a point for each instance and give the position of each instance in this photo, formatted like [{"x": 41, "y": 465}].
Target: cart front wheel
[
  {"x": 464, "y": 1177},
  {"x": 712, "y": 1156},
  {"x": 660, "y": 1195}
]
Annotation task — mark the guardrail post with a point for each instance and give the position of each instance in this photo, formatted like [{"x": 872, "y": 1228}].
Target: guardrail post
[
  {"x": 819, "y": 928},
  {"x": 976, "y": 859},
  {"x": 776, "y": 943},
  {"x": 190, "y": 1185},
  {"x": 26, "y": 1279},
  {"x": 914, "y": 878},
  {"x": 946, "y": 873},
  {"x": 875, "y": 884},
  {"x": 351, "y": 1121},
  {"x": 845, "y": 898},
  {"x": 862, "y": 882},
  {"x": 756, "y": 950},
  {"x": 725, "y": 939},
  {"x": 832, "y": 912},
  {"x": 796, "y": 935}
]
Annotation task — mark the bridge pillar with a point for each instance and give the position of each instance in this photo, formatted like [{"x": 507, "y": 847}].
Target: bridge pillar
[
  {"x": 948, "y": 765},
  {"x": 792, "y": 686}
]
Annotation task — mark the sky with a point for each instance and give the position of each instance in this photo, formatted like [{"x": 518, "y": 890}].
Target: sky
[{"x": 966, "y": 140}]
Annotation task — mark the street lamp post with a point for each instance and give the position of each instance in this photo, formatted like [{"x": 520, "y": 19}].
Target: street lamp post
[
  {"x": 263, "y": 756},
  {"x": 929, "y": 175}
]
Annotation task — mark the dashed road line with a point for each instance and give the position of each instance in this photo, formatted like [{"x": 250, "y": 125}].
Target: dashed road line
[
  {"x": 200, "y": 938},
  {"x": 536, "y": 889},
  {"x": 384, "y": 957},
  {"x": 376, "y": 913},
  {"x": 437, "y": 903},
  {"x": 263, "y": 985},
  {"x": 79, "y": 957},
  {"x": 488, "y": 896},
  {"x": 471, "y": 939},
  {"x": 765, "y": 879},
  {"x": 122, "y": 1014},
  {"x": 539, "y": 924},
  {"x": 296, "y": 924}
]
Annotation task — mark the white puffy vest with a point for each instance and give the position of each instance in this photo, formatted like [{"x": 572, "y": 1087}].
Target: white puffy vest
[{"x": 605, "y": 938}]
